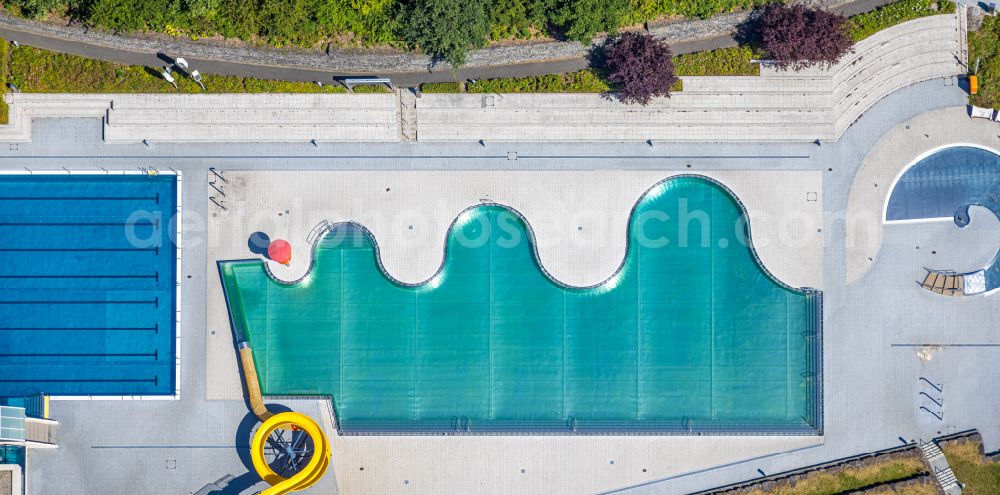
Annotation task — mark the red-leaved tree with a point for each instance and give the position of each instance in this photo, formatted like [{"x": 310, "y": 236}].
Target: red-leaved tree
[
  {"x": 639, "y": 67},
  {"x": 797, "y": 37}
]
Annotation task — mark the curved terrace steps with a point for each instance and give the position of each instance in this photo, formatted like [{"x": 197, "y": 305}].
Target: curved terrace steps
[
  {"x": 776, "y": 106},
  {"x": 885, "y": 41},
  {"x": 861, "y": 105}
]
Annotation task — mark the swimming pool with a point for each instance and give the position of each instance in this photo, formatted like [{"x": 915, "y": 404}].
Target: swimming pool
[
  {"x": 87, "y": 284},
  {"x": 684, "y": 338},
  {"x": 942, "y": 185}
]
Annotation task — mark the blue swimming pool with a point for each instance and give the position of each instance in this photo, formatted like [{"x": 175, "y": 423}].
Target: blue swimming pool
[{"x": 87, "y": 284}]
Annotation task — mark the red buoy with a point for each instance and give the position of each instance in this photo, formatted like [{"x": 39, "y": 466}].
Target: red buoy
[{"x": 280, "y": 251}]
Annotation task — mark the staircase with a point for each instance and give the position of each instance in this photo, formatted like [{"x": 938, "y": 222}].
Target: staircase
[
  {"x": 935, "y": 458},
  {"x": 407, "y": 115},
  {"x": 40, "y": 432}
]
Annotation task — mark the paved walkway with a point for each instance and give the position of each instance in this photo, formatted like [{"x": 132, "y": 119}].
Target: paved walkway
[
  {"x": 277, "y": 117},
  {"x": 579, "y": 220},
  {"x": 406, "y": 69},
  {"x": 804, "y": 106}
]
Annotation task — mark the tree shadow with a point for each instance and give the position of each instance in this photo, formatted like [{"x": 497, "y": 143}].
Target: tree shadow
[
  {"x": 748, "y": 32},
  {"x": 597, "y": 56},
  {"x": 557, "y": 33},
  {"x": 153, "y": 72},
  {"x": 598, "y": 61},
  {"x": 167, "y": 59}
]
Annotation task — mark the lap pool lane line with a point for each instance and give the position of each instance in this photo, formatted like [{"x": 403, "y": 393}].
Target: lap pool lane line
[{"x": 320, "y": 460}]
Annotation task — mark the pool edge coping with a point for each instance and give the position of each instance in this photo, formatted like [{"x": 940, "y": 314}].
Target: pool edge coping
[
  {"x": 815, "y": 424},
  {"x": 178, "y": 244}
]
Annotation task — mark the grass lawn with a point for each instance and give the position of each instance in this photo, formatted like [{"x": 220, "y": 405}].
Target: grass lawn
[
  {"x": 854, "y": 478},
  {"x": 869, "y": 23},
  {"x": 984, "y": 45},
  {"x": 734, "y": 61},
  {"x": 34, "y": 70},
  {"x": 40, "y": 71},
  {"x": 4, "y": 61},
  {"x": 979, "y": 478},
  {"x": 584, "y": 81},
  {"x": 442, "y": 87}
]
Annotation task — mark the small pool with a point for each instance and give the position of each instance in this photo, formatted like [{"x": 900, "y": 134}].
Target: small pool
[
  {"x": 683, "y": 339},
  {"x": 942, "y": 186},
  {"x": 87, "y": 284}
]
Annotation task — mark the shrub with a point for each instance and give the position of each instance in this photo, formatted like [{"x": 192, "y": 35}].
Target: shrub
[
  {"x": 371, "y": 20},
  {"x": 287, "y": 20},
  {"x": 869, "y": 23},
  {"x": 584, "y": 81},
  {"x": 370, "y": 88},
  {"x": 446, "y": 29},
  {"x": 133, "y": 15},
  {"x": 984, "y": 46},
  {"x": 639, "y": 67},
  {"x": 797, "y": 37},
  {"x": 580, "y": 20},
  {"x": 37, "y": 8},
  {"x": 441, "y": 87},
  {"x": 644, "y": 10},
  {"x": 734, "y": 61},
  {"x": 238, "y": 19},
  {"x": 516, "y": 18}
]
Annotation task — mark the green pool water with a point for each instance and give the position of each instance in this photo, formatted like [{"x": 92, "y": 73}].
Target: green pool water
[{"x": 682, "y": 339}]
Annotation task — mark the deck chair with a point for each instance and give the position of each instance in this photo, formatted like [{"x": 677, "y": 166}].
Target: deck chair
[{"x": 929, "y": 280}]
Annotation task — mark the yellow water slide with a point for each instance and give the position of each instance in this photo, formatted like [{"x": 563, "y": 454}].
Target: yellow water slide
[{"x": 292, "y": 421}]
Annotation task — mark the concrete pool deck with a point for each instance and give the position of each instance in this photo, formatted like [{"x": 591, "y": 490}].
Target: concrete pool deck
[
  {"x": 898, "y": 149},
  {"x": 579, "y": 220},
  {"x": 786, "y": 218},
  {"x": 875, "y": 332}
]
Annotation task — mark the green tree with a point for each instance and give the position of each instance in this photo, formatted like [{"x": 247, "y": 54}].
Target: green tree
[
  {"x": 288, "y": 20},
  {"x": 445, "y": 29},
  {"x": 201, "y": 8},
  {"x": 37, "y": 8},
  {"x": 133, "y": 15},
  {"x": 239, "y": 18},
  {"x": 580, "y": 20},
  {"x": 517, "y": 18},
  {"x": 372, "y": 20}
]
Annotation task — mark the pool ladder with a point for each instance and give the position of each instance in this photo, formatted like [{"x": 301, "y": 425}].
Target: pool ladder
[
  {"x": 318, "y": 231},
  {"x": 218, "y": 183}
]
